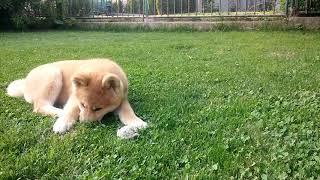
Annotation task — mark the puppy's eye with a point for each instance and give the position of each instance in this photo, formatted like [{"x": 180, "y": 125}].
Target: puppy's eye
[{"x": 96, "y": 109}]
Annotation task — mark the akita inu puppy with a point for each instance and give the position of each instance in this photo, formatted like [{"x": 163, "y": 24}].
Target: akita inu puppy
[{"x": 87, "y": 90}]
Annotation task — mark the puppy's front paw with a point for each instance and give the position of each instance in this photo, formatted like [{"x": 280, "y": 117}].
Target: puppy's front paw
[
  {"x": 131, "y": 131},
  {"x": 127, "y": 132},
  {"x": 141, "y": 124},
  {"x": 61, "y": 126},
  {"x": 59, "y": 114}
]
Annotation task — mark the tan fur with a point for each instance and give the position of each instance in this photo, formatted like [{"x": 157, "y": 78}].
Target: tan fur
[{"x": 88, "y": 89}]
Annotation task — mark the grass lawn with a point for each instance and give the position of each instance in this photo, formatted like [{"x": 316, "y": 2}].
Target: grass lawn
[{"x": 220, "y": 105}]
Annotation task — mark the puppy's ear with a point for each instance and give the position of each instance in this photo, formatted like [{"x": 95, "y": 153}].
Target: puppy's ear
[
  {"x": 80, "y": 80},
  {"x": 112, "y": 81}
]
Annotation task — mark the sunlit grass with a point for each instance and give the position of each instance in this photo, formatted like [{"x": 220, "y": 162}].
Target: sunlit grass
[{"x": 220, "y": 105}]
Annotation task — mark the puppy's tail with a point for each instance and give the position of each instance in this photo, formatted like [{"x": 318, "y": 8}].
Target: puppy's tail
[{"x": 16, "y": 88}]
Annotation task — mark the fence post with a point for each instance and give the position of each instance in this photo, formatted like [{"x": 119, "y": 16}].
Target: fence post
[
  {"x": 237, "y": 7},
  {"x": 196, "y": 7},
  {"x": 59, "y": 10},
  {"x": 181, "y": 7},
  {"x": 220, "y": 7},
  {"x": 255, "y": 6},
  {"x": 228, "y": 6},
  {"x": 188, "y": 9},
  {"x": 174, "y": 7},
  {"x": 139, "y": 6},
  {"x": 161, "y": 8},
  {"x": 143, "y": 4},
  {"x": 154, "y": 7},
  {"x": 306, "y": 6},
  {"x": 211, "y": 6},
  {"x": 132, "y": 8},
  {"x": 287, "y": 8},
  {"x": 246, "y": 9},
  {"x": 264, "y": 7},
  {"x": 92, "y": 8},
  {"x": 146, "y": 8},
  {"x": 203, "y": 7},
  {"x": 167, "y": 7},
  {"x": 118, "y": 4},
  {"x": 274, "y": 6},
  {"x": 128, "y": 8}
]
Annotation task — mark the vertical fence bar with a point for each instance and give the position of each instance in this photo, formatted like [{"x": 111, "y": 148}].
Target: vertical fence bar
[
  {"x": 201, "y": 10},
  {"x": 100, "y": 6},
  {"x": 254, "y": 8},
  {"x": 237, "y": 5},
  {"x": 154, "y": 7},
  {"x": 293, "y": 7},
  {"x": 72, "y": 10},
  {"x": 131, "y": 9},
  {"x": 228, "y": 6},
  {"x": 139, "y": 6},
  {"x": 287, "y": 8},
  {"x": 160, "y": 7},
  {"x": 121, "y": 3},
  {"x": 188, "y": 8},
  {"x": 306, "y": 6},
  {"x": 274, "y": 7},
  {"x": 92, "y": 8},
  {"x": 219, "y": 7},
  {"x": 197, "y": 4},
  {"x": 174, "y": 7},
  {"x": 211, "y": 7},
  {"x": 143, "y": 4},
  {"x": 167, "y": 7},
  {"x": 264, "y": 7},
  {"x": 127, "y": 8},
  {"x": 181, "y": 7},
  {"x": 197, "y": 7},
  {"x": 246, "y": 8},
  {"x": 112, "y": 14},
  {"x": 69, "y": 9},
  {"x": 203, "y": 7},
  {"x": 118, "y": 4}
]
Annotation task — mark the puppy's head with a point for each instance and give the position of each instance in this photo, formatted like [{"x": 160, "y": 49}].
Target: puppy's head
[{"x": 97, "y": 94}]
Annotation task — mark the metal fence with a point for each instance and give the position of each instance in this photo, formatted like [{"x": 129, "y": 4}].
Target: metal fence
[
  {"x": 304, "y": 7},
  {"x": 174, "y": 8},
  {"x": 134, "y": 8}
]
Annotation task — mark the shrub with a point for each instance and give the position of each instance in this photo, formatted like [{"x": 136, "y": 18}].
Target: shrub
[
  {"x": 70, "y": 22},
  {"x": 26, "y": 14}
]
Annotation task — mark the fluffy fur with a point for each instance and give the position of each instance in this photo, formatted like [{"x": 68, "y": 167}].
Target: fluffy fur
[{"x": 87, "y": 89}]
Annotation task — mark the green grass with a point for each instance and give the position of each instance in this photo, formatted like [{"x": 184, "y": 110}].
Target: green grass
[{"x": 220, "y": 105}]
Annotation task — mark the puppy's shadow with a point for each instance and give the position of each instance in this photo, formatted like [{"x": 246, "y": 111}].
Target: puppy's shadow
[{"x": 110, "y": 119}]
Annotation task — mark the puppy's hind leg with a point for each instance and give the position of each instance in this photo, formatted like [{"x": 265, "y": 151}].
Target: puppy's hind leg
[
  {"x": 48, "y": 84},
  {"x": 131, "y": 121}
]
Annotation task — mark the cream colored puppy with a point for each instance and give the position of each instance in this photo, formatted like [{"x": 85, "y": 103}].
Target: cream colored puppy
[{"x": 88, "y": 89}]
